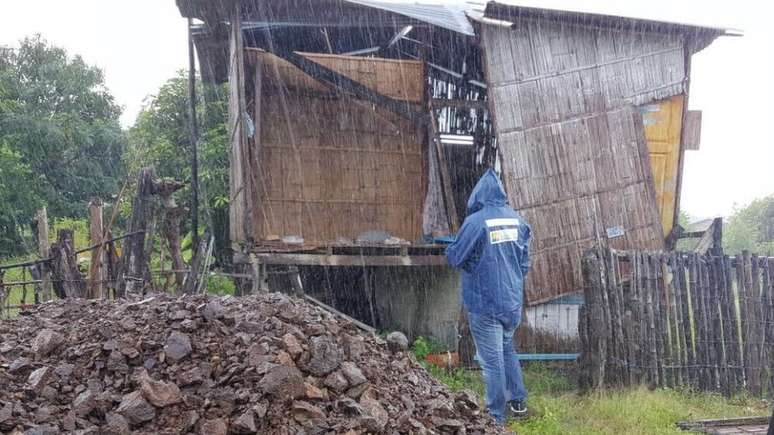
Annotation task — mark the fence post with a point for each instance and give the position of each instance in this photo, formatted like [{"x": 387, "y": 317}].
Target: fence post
[
  {"x": 64, "y": 264},
  {"x": 44, "y": 249},
  {"x": 96, "y": 275},
  {"x": 595, "y": 355}
]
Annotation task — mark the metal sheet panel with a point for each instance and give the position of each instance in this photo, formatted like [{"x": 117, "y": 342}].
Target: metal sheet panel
[
  {"x": 448, "y": 16},
  {"x": 663, "y": 124}
]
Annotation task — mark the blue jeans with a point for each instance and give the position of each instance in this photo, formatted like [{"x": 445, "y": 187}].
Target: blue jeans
[{"x": 496, "y": 353}]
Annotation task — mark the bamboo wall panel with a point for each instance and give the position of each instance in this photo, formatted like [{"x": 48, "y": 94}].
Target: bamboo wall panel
[
  {"x": 573, "y": 144},
  {"x": 333, "y": 166}
]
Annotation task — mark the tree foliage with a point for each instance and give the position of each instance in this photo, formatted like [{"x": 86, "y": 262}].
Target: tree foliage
[
  {"x": 60, "y": 139},
  {"x": 751, "y": 228}
]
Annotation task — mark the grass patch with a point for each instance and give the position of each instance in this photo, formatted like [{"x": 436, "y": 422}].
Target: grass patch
[
  {"x": 556, "y": 408},
  {"x": 630, "y": 411}
]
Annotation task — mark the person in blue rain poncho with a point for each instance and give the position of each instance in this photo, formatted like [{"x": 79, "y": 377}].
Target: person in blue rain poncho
[{"x": 492, "y": 249}]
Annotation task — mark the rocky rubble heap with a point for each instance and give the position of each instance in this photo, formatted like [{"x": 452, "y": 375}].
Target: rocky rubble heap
[{"x": 262, "y": 364}]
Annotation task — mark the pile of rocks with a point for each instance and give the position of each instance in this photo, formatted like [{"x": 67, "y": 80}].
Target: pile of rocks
[{"x": 260, "y": 364}]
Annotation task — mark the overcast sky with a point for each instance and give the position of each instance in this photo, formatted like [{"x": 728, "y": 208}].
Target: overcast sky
[{"x": 141, "y": 43}]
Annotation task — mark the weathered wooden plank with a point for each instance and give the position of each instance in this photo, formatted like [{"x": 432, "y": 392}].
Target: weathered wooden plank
[{"x": 350, "y": 260}]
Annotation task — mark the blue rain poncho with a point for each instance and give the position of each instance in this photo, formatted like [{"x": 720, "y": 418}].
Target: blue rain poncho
[{"x": 492, "y": 249}]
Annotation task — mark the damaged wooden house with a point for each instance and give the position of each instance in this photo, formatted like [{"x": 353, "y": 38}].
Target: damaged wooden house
[{"x": 359, "y": 127}]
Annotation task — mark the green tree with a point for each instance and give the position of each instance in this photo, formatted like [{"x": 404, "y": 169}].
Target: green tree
[
  {"x": 60, "y": 136},
  {"x": 751, "y": 228},
  {"x": 160, "y": 138}
]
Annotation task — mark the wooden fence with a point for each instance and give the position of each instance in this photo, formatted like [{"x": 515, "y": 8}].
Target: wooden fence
[{"x": 678, "y": 320}]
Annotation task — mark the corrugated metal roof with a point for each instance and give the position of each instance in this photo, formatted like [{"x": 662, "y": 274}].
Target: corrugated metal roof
[
  {"x": 448, "y": 16},
  {"x": 579, "y": 14}
]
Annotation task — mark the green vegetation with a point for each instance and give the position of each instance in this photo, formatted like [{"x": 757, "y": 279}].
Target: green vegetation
[
  {"x": 751, "y": 228},
  {"x": 60, "y": 140},
  {"x": 556, "y": 407}
]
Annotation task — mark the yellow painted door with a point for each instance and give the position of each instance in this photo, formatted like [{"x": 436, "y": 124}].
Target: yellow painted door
[{"x": 663, "y": 126}]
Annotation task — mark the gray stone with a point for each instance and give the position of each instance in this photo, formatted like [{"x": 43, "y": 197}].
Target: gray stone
[
  {"x": 397, "y": 342},
  {"x": 117, "y": 362},
  {"x": 84, "y": 403},
  {"x": 158, "y": 393},
  {"x": 305, "y": 411},
  {"x": 135, "y": 408},
  {"x": 116, "y": 424},
  {"x": 39, "y": 379},
  {"x": 336, "y": 382},
  {"x": 245, "y": 423},
  {"x": 213, "y": 310},
  {"x": 374, "y": 409},
  {"x": 6, "y": 412},
  {"x": 46, "y": 342},
  {"x": 178, "y": 346},
  {"x": 325, "y": 356},
  {"x": 19, "y": 365},
  {"x": 283, "y": 382},
  {"x": 352, "y": 373},
  {"x": 292, "y": 346}
]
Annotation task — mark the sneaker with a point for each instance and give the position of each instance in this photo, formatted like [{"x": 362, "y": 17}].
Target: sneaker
[{"x": 517, "y": 409}]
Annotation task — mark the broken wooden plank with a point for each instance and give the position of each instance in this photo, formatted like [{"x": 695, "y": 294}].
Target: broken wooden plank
[{"x": 345, "y": 84}]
